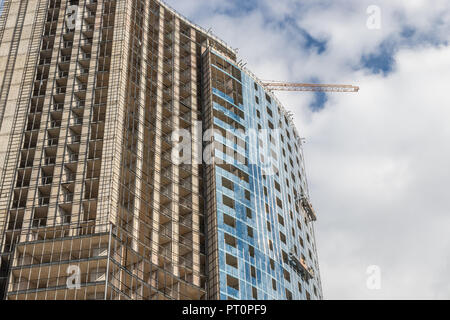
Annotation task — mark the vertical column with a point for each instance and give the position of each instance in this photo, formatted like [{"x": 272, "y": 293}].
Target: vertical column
[
  {"x": 141, "y": 127},
  {"x": 158, "y": 142},
  {"x": 109, "y": 185},
  {"x": 197, "y": 150},
  {"x": 176, "y": 126},
  {"x": 79, "y": 196},
  {"x": 7, "y": 112},
  {"x": 34, "y": 32},
  {"x": 210, "y": 200}
]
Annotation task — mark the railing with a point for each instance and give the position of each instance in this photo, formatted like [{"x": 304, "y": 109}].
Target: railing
[
  {"x": 51, "y": 142},
  {"x": 73, "y": 157},
  {"x": 50, "y": 161},
  {"x": 46, "y": 180},
  {"x": 67, "y": 44},
  {"x": 58, "y": 106},
  {"x": 68, "y": 197},
  {"x": 61, "y": 90},
  {"x": 43, "y": 201},
  {"x": 75, "y": 139},
  {"x": 55, "y": 124}
]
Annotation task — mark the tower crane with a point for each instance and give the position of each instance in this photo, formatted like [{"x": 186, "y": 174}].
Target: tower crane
[{"x": 286, "y": 86}]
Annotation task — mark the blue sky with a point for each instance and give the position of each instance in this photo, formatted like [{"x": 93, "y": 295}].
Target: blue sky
[{"x": 378, "y": 160}]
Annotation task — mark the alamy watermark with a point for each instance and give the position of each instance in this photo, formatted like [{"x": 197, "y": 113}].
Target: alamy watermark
[
  {"x": 218, "y": 146},
  {"x": 374, "y": 19},
  {"x": 74, "y": 277},
  {"x": 374, "y": 277},
  {"x": 73, "y": 19}
]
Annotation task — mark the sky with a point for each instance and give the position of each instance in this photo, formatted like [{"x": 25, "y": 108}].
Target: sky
[{"x": 378, "y": 161}]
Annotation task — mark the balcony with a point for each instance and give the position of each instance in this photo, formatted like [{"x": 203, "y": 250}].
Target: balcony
[
  {"x": 68, "y": 44},
  {"x": 46, "y": 180},
  {"x": 52, "y": 142},
  {"x": 26, "y": 163},
  {"x": 54, "y": 124},
  {"x": 48, "y": 161},
  {"x": 186, "y": 202},
  {"x": 61, "y": 90},
  {"x": 19, "y": 204},
  {"x": 45, "y": 62},
  {"x": 43, "y": 201},
  {"x": 65, "y": 58},
  {"x": 186, "y": 221},
  {"x": 21, "y": 183},
  {"x": 73, "y": 157},
  {"x": 84, "y": 71},
  {"x": 68, "y": 197},
  {"x": 77, "y": 121},
  {"x": 58, "y": 106},
  {"x": 74, "y": 139}
]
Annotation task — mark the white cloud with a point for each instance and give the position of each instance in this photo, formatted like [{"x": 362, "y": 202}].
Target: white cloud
[
  {"x": 378, "y": 168},
  {"x": 378, "y": 161}
]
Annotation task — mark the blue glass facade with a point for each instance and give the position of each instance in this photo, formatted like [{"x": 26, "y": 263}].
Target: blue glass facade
[{"x": 260, "y": 223}]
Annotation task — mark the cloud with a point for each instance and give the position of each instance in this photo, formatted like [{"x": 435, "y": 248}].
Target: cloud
[{"x": 377, "y": 161}]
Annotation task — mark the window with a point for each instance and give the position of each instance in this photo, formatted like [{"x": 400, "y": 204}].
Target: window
[
  {"x": 231, "y": 260},
  {"x": 274, "y": 285},
  {"x": 232, "y": 282},
  {"x": 228, "y": 201},
  {"x": 279, "y": 203},
  {"x": 280, "y": 220},
  {"x": 227, "y": 184},
  {"x": 251, "y": 251},
  {"x": 284, "y": 256},
  {"x": 253, "y": 271},
  {"x": 287, "y": 275},
  {"x": 250, "y": 231},
  {"x": 257, "y": 99},
  {"x": 228, "y": 220},
  {"x": 288, "y": 295},
  {"x": 282, "y": 237},
  {"x": 249, "y": 213},
  {"x": 272, "y": 264},
  {"x": 277, "y": 186},
  {"x": 269, "y": 227},
  {"x": 230, "y": 240},
  {"x": 254, "y": 293}
]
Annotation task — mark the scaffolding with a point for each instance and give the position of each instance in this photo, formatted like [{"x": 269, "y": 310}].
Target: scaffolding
[{"x": 93, "y": 181}]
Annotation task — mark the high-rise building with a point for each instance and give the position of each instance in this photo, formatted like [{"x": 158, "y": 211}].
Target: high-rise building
[{"x": 140, "y": 160}]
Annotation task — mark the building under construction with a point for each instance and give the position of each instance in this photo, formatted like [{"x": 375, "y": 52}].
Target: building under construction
[{"x": 94, "y": 205}]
